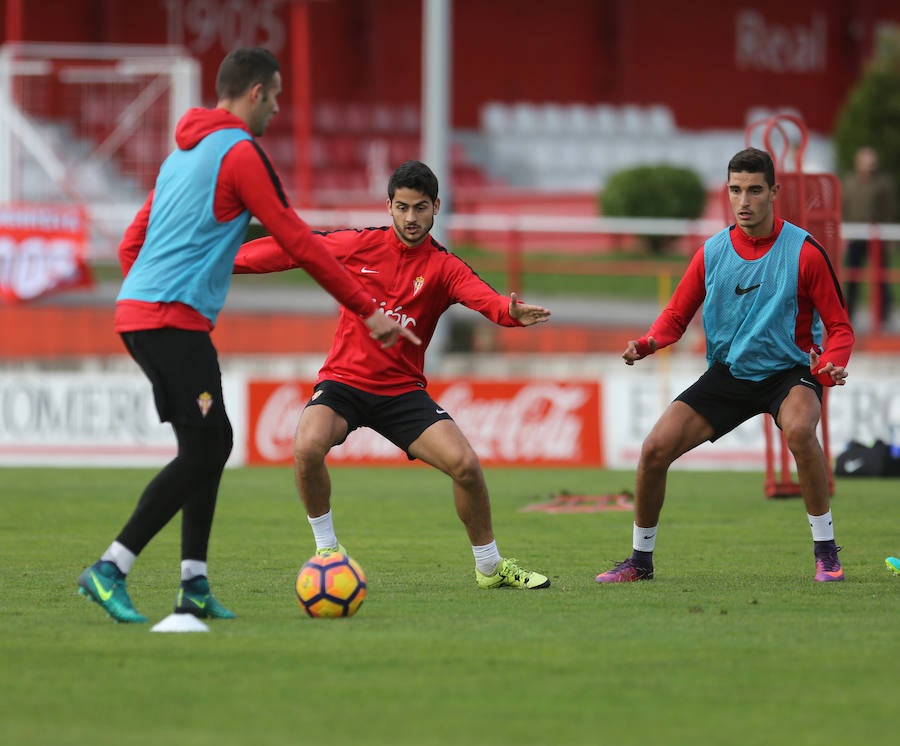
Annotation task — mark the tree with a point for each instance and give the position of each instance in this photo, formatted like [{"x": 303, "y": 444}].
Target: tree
[
  {"x": 654, "y": 192},
  {"x": 872, "y": 110}
]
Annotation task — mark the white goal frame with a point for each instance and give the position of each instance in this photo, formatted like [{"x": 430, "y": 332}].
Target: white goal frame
[{"x": 158, "y": 75}]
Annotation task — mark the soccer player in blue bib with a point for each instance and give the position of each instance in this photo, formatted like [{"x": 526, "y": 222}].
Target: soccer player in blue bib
[
  {"x": 177, "y": 257},
  {"x": 766, "y": 288}
]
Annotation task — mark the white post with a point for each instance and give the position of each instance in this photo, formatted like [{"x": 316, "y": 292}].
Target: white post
[
  {"x": 6, "y": 149},
  {"x": 436, "y": 89},
  {"x": 185, "y": 90}
]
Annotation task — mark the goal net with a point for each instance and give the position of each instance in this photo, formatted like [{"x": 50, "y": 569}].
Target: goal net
[{"x": 90, "y": 124}]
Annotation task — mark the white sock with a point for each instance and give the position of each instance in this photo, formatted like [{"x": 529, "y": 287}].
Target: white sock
[
  {"x": 644, "y": 539},
  {"x": 487, "y": 557},
  {"x": 120, "y": 555},
  {"x": 323, "y": 531},
  {"x": 191, "y": 569},
  {"x": 822, "y": 530}
]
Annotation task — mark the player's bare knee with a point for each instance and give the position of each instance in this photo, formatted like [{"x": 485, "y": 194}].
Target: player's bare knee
[
  {"x": 799, "y": 437},
  {"x": 467, "y": 471},
  {"x": 308, "y": 454},
  {"x": 656, "y": 453}
]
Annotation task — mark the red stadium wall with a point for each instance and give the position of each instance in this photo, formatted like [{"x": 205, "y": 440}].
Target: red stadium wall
[{"x": 708, "y": 61}]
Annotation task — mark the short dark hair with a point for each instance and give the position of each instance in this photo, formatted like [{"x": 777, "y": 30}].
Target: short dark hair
[
  {"x": 414, "y": 175},
  {"x": 242, "y": 69},
  {"x": 753, "y": 161}
]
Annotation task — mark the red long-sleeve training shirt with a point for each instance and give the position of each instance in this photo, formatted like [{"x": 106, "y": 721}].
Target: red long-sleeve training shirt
[
  {"x": 412, "y": 285},
  {"x": 246, "y": 181},
  {"x": 817, "y": 290}
]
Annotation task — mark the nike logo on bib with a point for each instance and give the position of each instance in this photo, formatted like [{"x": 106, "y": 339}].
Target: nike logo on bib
[{"x": 743, "y": 291}]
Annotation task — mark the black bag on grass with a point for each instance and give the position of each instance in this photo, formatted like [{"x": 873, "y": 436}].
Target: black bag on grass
[{"x": 867, "y": 461}]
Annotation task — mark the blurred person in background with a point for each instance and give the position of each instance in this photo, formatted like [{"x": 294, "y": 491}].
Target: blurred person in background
[
  {"x": 360, "y": 385},
  {"x": 868, "y": 196},
  {"x": 177, "y": 258},
  {"x": 765, "y": 287}
]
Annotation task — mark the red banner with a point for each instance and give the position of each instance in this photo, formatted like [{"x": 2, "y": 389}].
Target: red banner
[
  {"x": 42, "y": 250},
  {"x": 509, "y": 423}
]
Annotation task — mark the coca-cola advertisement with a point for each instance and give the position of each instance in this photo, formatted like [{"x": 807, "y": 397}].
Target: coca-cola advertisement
[{"x": 509, "y": 423}]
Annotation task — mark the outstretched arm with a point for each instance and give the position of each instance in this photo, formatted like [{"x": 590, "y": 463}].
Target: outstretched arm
[
  {"x": 671, "y": 324},
  {"x": 638, "y": 349},
  {"x": 262, "y": 255},
  {"x": 525, "y": 313}
]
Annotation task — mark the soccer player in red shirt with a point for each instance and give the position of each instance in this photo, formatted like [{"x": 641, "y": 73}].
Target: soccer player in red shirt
[
  {"x": 766, "y": 287},
  {"x": 414, "y": 279},
  {"x": 177, "y": 257}
]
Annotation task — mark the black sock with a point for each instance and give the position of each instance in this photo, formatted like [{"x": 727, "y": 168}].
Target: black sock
[
  {"x": 188, "y": 483},
  {"x": 642, "y": 559},
  {"x": 824, "y": 546}
]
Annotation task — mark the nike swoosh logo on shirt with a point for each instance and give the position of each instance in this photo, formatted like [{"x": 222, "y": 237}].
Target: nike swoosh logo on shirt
[
  {"x": 367, "y": 271},
  {"x": 743, "y": 291}
]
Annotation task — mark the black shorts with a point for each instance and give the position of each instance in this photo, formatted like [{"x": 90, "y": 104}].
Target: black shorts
[
  {"x": 726, "y": 401},
  {"x": 183, "y": 368},
  {"x": 401, "y": 418}
]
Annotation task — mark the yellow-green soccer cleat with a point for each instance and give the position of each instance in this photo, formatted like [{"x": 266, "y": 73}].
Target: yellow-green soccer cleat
[
  {"x": 893, "y": 563},
  {"x": 509, "y": 575},
  {"x": 331, "y": 550},
  {"x": 194, "y": 598},
  {"x": 104, "y": 584}
]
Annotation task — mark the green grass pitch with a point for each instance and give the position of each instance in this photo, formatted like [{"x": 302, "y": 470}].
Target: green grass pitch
[{"x": 733, "y": 643}]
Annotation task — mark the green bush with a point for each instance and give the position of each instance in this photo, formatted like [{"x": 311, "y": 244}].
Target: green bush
[
  {"x": 654, "y": 192},
  {"x": 872, "y": 110}
]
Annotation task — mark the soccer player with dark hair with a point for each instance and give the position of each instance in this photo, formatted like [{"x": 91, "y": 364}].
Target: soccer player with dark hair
[
  {"x": 360, "y": 385},
  {"x": 177, "y": 257},
  {"x": 766, "y": 287}
]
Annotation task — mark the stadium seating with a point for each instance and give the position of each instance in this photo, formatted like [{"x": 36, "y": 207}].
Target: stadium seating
[
  {"x": 546, "y": 146},
  {"x": 355, "y": 145},
  {"x": 552, "y": 146}
]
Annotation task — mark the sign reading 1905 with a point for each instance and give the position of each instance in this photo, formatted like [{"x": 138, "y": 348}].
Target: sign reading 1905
[{"x": 201, "y": 25}]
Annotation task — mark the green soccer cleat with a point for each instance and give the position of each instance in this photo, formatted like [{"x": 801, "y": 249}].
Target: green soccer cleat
[
  {"x": 331, "y": 550},
  {"x": 104, "y": 584},
  {"x": 893, "y": 563},
  {"x": 508, "y": 574},
  {"x": 194, "y": 598}
]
